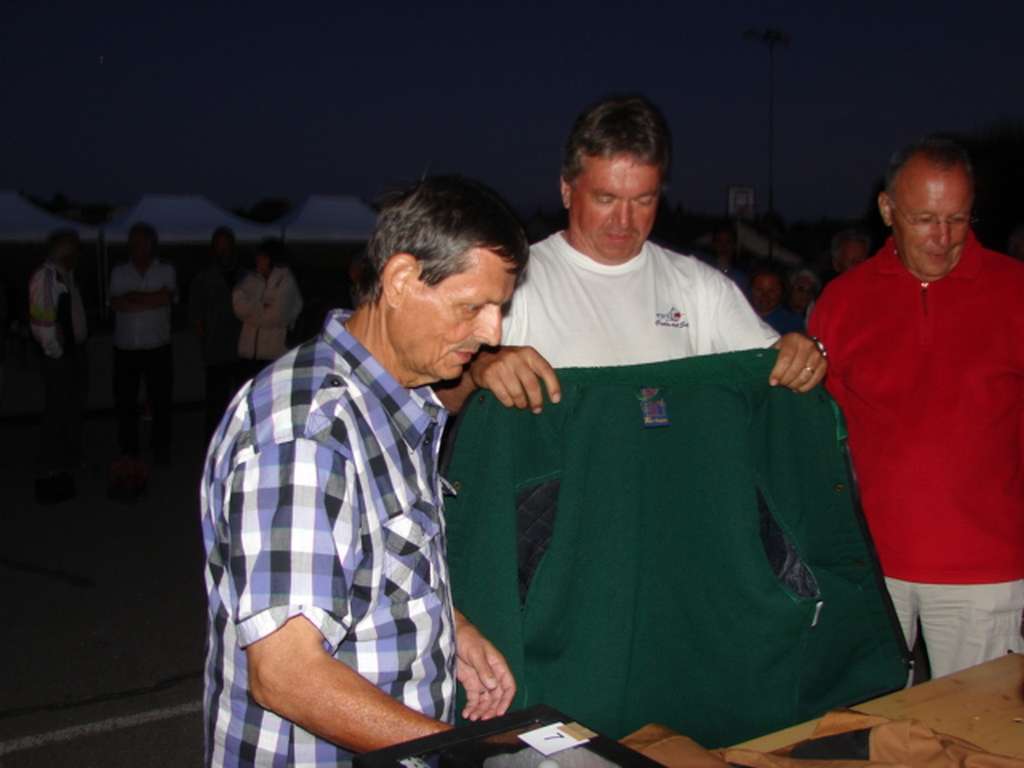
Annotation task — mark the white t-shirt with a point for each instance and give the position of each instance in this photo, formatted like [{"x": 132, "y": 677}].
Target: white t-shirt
[
  {"x": 658, "y": 306},
  {"x": 150, "y": 328}
]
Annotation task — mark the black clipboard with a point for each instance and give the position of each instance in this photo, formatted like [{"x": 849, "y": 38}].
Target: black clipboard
[{"x": 471, "y": 745}]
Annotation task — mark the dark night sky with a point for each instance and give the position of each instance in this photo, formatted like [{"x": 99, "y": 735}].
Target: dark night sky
[{"x": 243, "y": 101}]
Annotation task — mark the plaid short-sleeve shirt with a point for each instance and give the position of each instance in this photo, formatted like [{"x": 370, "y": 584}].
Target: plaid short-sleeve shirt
[{"x": 321, "y": 498}]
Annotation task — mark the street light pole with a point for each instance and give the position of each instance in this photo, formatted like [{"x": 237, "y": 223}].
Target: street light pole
[{"x": 770, "y": 36}]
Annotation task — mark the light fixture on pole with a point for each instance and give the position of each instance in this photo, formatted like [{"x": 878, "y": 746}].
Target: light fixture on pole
[{"x": 770, "y": 36}]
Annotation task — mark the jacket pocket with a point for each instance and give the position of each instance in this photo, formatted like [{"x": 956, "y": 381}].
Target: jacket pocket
[{"x": 793, "y": 574}]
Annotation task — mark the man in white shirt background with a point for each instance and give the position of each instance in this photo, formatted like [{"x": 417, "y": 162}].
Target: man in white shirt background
[{"x": 141, "y": 293}]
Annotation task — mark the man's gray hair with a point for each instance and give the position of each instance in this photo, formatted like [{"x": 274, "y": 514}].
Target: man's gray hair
[{"x": 439, "y": 220}]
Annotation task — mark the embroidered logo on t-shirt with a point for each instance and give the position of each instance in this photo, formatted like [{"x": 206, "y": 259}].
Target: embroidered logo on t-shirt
[{"x": 673, "y": 318}]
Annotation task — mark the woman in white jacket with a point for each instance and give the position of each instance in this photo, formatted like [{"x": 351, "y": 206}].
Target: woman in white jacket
[{"x": 268, "y": 303}]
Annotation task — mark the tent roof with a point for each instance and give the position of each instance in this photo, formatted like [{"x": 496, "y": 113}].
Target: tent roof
[
  {"x": 329, "y": 218},
  {"x": 751, "y": 240},
  {"x": 184, "y": 219},
  {"x": 25, "y": 222}
]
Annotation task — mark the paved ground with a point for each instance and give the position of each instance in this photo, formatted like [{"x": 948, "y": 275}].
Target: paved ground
[{"x": 104, "y": 610}]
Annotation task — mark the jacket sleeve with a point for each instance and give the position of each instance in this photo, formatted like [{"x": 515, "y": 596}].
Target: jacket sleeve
[
  {"x": 42, "y": 302},
  {"x": 283, "y": 301},
  {"x": 289, "y": 300},
  {"x": 296, "y": 302},
  {"x": 246, "y": 301}
]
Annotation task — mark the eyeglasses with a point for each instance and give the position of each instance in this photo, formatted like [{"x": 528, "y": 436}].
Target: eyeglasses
[{"x": 958, "y": 222}]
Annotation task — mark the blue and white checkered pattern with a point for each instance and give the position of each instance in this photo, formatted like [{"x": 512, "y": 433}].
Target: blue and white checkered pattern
[{"x": 321, "y": 498}]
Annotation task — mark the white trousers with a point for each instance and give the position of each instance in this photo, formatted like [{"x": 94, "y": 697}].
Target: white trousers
[{"x": 962, "y": 625}]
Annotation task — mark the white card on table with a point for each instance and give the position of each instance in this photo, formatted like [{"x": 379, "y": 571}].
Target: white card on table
[{"x": 551, "y": 739}]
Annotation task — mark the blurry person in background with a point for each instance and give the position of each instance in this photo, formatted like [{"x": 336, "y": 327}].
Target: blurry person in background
[
  {"x": 849, "y": 248},
  {"x": 213, "y": 319},
  {"x": 767, "y": 296},
  {"x": 723, "y": 246},
  {"x": 267, "y": 301},
  {"x": 141, "y": 293},
  {"x": 804, "y": 287},
  {"x": 58, "y": 324}
]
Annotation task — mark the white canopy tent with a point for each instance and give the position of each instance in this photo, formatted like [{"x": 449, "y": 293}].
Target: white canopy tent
[
  {"x": 329, "y": 219},
  {"x": 749, "y": 239},
  {"x": 184, "y": 219},
  {"x": 25, "y": 222},
  {"x": 752, "y": 241}
]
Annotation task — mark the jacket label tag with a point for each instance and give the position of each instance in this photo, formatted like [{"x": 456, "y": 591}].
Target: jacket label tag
[{"x": 653, "y": 408}]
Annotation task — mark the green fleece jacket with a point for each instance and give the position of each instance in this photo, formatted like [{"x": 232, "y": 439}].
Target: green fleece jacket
[{"x": 676, "y": 543}]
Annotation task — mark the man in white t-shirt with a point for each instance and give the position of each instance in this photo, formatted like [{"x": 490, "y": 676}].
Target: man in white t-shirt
[
  {"x": 141, "y": 293},
  {"x": 600, "y": 294}
]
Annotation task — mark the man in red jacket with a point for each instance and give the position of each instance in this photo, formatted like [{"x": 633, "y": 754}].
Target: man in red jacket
[{"x": 926, "y": 354}]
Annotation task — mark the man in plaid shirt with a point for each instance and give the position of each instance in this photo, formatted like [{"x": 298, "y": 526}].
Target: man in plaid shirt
[{"x": 331, "y": 626}]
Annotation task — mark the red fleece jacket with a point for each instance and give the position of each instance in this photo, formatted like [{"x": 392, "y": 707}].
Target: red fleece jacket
[{"x": 930, "y": 378}]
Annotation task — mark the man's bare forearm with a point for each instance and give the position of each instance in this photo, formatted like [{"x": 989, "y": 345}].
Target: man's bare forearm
[{"x": 290, "y": 674}]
